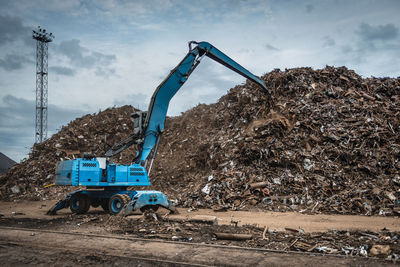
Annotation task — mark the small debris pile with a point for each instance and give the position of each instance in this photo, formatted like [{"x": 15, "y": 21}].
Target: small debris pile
[{"x": 325, "y": 141}]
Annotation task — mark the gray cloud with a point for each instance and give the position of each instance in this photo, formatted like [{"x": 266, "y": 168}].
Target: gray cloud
[
  {"x": 14, "y": 62},
  {"x": 12, "y": 29},
  {"x": 81, "y": 57},
  {"x": 380, "y": 38},
  {"x": 271, "y": 47},
  {"x": 328, "y": 41},
  {"x": 104, "y": 72},
  {"x": 347, "y": 49},
  {"x": 14, "y": 36},
  {"x": 309, "y": 8},
  {"x": 140, "y": 101},
  {"x": 17, "y": 125},
  {"x": 63, "y": 70},
  {"x": 373, "y": 45},
  {"x": 245, "y": 51},
  {"x": 370, "y": 33}
]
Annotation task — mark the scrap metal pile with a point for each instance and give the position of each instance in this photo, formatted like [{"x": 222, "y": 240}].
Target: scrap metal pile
[
  {"x": 325, "y": 141},
  {"x": 328, "y": 141}
]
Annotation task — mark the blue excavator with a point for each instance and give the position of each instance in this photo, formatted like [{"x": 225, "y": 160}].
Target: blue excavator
[{"x": 108, "y": 184}]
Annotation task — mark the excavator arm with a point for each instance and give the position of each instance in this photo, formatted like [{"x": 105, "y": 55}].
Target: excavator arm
[{"x": 157, "y": 111}]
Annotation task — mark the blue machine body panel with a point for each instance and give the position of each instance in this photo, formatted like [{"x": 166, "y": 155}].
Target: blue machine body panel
[
  {"x": 144, "y": 198},
  {"x": 87, "y": 172},
  {"x": 67, "y": 173}
]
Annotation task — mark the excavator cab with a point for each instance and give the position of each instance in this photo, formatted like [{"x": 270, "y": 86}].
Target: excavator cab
[{"x": 139, "y": 119}]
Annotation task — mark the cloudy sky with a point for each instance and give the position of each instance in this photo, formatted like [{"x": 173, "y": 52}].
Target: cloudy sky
[{"x": 111, "y": 53}]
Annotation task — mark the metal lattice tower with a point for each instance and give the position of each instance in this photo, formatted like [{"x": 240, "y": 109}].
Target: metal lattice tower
[{"x": 42, "y": 39}]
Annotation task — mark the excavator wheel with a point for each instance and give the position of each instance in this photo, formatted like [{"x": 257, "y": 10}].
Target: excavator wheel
[
  {"x": 127, "y": 198},
  {"x": 117, "y": 202},
  {"x": 79, "y": 203}
]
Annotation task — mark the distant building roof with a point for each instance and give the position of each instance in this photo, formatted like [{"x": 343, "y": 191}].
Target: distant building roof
[{"x": 5, "y": 163}]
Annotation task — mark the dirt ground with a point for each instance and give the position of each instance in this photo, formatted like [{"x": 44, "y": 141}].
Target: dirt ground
[
  {"x": 158, "y": 238},
  {"x": 273, "y": 220},
  {"x": 41, "y": 248}
]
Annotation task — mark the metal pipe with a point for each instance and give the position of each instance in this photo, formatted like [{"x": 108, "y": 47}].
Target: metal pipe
[{"x": 154, "y": 153}]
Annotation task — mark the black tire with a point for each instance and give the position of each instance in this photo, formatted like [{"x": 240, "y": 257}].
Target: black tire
[
  {"x": 79, "y": 203},
  {"x": 117, "y": 202}
]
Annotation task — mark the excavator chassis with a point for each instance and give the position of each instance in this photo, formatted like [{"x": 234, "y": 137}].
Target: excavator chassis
[{"x": 114, "y": 200}]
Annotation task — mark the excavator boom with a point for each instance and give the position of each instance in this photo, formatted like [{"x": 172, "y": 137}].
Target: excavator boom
[{"x": 158, "y": 107}]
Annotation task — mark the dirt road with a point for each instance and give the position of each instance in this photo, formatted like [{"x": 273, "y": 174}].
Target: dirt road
[
  {"x": 272, "y": 220},
  {"x": 95, "y": 249},
  {"x": 28, "y": 236}
]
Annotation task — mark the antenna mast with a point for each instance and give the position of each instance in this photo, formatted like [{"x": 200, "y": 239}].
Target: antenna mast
[{"x": 42, "y": 39}]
